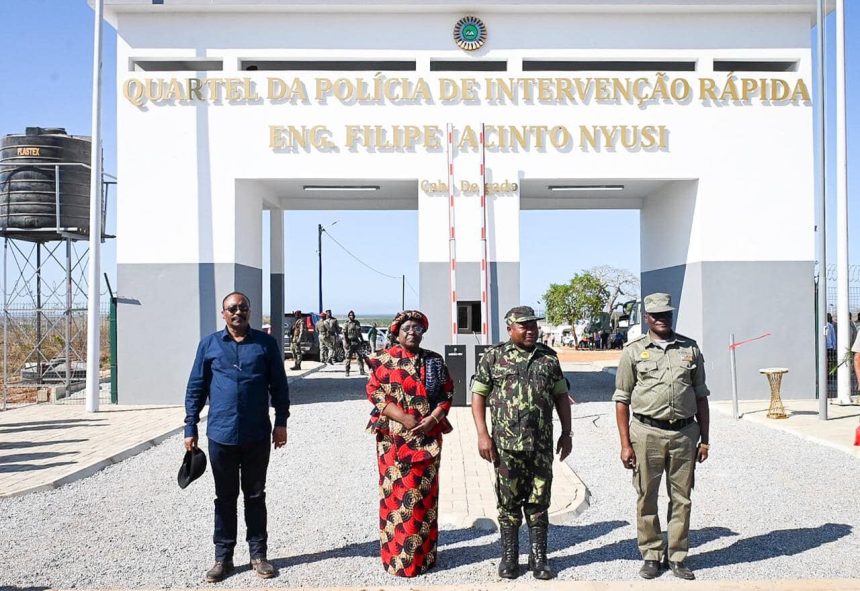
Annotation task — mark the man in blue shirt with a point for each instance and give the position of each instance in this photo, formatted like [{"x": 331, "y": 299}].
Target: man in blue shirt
[{"x": 239, "y": 370}]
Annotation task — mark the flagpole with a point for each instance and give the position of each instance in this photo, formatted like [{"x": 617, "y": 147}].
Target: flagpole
[
  {"x": 821, "y": 317},
  {"x": 843, "y": 332},
  {"x": 94, "y": 275}
]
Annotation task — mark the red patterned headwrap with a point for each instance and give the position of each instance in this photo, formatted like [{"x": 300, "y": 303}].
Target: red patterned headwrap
[{"x": 408, "y": 315}]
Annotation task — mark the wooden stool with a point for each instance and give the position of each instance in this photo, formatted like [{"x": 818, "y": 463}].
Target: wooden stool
[{"x": 774, "y": 378}]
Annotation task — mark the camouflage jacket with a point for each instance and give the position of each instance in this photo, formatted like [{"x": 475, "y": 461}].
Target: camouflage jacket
[
  {"x": 322, "y": 328},
  {"x": 298, "y": 330},
  {"x": 521, "y": 388},
  {"x": 352, "y": 331},
  {"x": 332, "y": 327}
]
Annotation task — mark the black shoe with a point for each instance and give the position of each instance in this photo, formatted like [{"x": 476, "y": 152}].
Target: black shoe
[
  {"x": 219, "y": 570},
  {"x": 347, "y": 374},
  {"x": 650, "y": 569},
  {"x": 262, "y": 568},
  {"x": 680, "y": 570},
  {"x": 538, "y": 563},
  {"x": 509, "y": 567}
]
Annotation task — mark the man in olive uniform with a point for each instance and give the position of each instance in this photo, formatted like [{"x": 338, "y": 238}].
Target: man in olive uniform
[
  {"x": 297, "y": 333},
  {"x": 353, "y": 342},
  {"x": 661, "y": 380},
  {"x": 322, "y": 334},
  {"x": 333, "y": 331},
  {"x": 521, "y": 381}
]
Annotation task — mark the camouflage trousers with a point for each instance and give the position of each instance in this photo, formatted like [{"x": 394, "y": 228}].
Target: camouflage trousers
[
  {"x": 325, "y": 349},
  {"x": 296, "y": 352},
  {"x": 355, "y": 348},
  {"x": 523, "y": 486}
]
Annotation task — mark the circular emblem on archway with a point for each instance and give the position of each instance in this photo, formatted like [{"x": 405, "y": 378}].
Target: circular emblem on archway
[{"x": 470, "y": 33}]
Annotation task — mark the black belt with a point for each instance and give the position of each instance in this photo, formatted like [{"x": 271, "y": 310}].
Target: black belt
[{"x": 667, "y": 425}]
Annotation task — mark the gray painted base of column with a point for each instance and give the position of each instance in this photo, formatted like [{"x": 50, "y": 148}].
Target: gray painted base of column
[
  {"x": 749, "y": 299},
  {"x": 434, "y": 294},
  {"x": 164, "y": 312}
]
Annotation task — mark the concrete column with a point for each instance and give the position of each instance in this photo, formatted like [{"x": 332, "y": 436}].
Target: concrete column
[
  {"x": 714, "y": 298},
  {"x": 276, "y": 270}
]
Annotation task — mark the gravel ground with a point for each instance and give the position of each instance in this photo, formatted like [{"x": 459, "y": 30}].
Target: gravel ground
[{"x": 767, "y": 505}]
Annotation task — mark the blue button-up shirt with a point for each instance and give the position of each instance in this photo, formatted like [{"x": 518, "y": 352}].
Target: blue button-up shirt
[{"x": 239, "y": 379}]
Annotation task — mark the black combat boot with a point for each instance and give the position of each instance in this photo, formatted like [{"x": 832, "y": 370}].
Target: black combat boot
[
  {"x": 509, "y": 566},
  {"x": 537, "y": 554}
]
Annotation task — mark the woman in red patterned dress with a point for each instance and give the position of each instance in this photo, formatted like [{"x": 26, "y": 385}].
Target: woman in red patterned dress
[{"x": 411, "y": 392}]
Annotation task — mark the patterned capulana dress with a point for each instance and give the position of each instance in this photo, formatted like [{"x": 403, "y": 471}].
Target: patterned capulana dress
[{"x": 408, "y": 465}]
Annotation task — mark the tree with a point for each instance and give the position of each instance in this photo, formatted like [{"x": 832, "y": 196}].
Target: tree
[
  {"x": 582, "y": 298},
  {"x": 616, "y": 282}
]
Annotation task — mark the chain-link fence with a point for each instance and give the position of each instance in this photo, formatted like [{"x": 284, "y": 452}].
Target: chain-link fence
[
  {"x": 852, "y": 323},
  {"x": 44, "y": 355}
]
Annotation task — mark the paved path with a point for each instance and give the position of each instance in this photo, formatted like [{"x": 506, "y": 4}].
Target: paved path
[
  {"x": 47, "y": 445},
  {"x": 803, "y": 421}
]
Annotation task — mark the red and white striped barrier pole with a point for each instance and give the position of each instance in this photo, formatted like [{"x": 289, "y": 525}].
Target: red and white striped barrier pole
[{"x": 485, "y": 271}]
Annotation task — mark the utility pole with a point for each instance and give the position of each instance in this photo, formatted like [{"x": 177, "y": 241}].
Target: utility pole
[
  {"x": 320, "y": 231},
  {"x": 403, "y": 292}
]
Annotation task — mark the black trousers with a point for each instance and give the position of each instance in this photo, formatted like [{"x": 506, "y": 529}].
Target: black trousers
[{"x": 232, "y": 466}]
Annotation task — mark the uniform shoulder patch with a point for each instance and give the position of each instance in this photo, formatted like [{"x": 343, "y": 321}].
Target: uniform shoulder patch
[{"x": 636, "y": 340}]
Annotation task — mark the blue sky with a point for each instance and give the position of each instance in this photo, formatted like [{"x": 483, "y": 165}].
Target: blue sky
[{"x": 46, "y": 66}]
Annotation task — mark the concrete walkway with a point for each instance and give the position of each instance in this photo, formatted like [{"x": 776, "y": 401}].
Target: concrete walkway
[
  {"x": 46, "y": 446},
  {"x": 837, "y": 432},
  {"x": 467, "y": 489}
]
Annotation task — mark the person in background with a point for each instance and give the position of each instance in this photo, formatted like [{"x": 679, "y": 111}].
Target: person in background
[
  {"x": 372, "y": 334},
  {"x": 321, "y": 328},
  {"x": 353, "y": 342},
  {"x": 297, "y": 334}
]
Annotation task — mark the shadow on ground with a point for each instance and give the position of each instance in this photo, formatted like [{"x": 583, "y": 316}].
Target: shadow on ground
[{"x": 783, "y": 542}]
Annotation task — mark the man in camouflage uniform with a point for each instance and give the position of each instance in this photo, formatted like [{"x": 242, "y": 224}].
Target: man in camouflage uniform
[
  {"x": 333, "y": 331},
  {"x": 661, "y": 380},
  {"x": 521, "y": 381},
  {"x": 322, "y": 334},
  {"x": 297, "y": 333},
  {"x": 353, "y": 342}
]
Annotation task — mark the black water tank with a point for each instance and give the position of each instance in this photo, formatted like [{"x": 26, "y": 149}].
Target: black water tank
[{"x": 28, "y": 180}]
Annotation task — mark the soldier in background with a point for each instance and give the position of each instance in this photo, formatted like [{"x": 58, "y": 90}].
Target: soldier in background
[
  {"x": 521, "y": 381},
  {"x": 353, "y": 342},
  {"x": 322, "y": 333},
  {"x": 297, "y": 334},
  {"x": 333, "y": 332}
]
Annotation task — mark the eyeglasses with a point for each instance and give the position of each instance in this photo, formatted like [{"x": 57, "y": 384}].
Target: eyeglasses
[
  {"x": 234, "y": 309},
  {"x": 413, "y": 329}
]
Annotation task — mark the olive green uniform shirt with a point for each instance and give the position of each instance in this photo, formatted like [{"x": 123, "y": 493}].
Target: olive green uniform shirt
[
  {"x": 521, "y": 388},
  {"x": 661, "y": 384}
]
